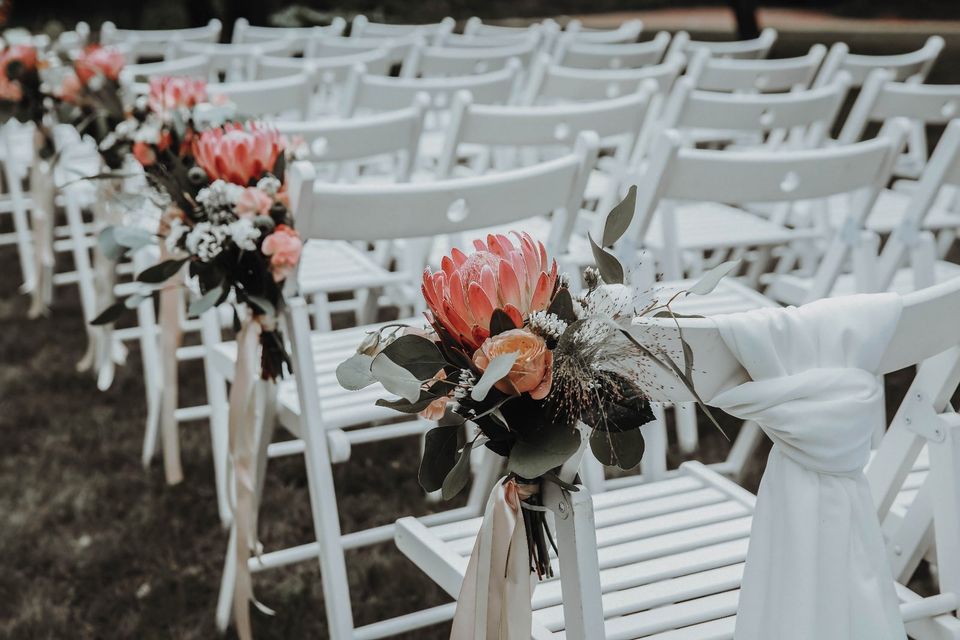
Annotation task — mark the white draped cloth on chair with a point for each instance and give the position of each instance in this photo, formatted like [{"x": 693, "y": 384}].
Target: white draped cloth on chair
[{"x": 816, "y": 566}]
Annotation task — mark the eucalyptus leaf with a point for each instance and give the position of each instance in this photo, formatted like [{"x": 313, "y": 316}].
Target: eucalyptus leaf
[
  {"x": 395, "y": 378},
  {"x": 712, "y": 278},
  {"x": 132, "y": 237},
  {"x": 265, "y": 306},
  {"x": 108, "y": 244},
  {"x": 161, "y": 272},
  {"x": 619, "y": 219},
  {"x": 404, "y": 406},
  {"x": 440, "y": 447},
  {"x": 206, "y": 301},
  {"x": 110, "y": 314},
  {"x": 498, "y": 368},
  {"x": 418, "y": 355},
  {"x": 458, "y": 477},
  {"x": 622, "y": 449},
  {"x": 610, "y": 268},
  {"x": 354, "y": 373},
  {"x": 532, "y": 459}
]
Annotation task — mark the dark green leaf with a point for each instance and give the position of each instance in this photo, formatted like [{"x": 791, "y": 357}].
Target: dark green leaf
[
  {"x": 562, "y": 306},
  {"x": 161, "y": 272},
  {"x": 610, "y": 268},
  {"x": 620, "y": 217},
  {"x": 458, "y": 477},
  {"x": 500, "y": 322},
  {"x": 110, "y": 314},
  {"x": 622, "y": 449},
  {"x": 405, "y": 406},
  {"x": 440, "y": 447},
  {"x": 687, "y": 358},
  {"x": 418, "y": 355},
  {"x": 206, "y": 301},
  {"x": 554, "y": 446}
]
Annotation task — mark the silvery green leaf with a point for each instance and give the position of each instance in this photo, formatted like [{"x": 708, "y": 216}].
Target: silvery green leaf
[
  {"x": 108, "y": 244},
  {"x": 459, "y": 475},
  {"x": 620, "y": 218},
  {"x": 712, "y": 278},
  {"x": 201, "y": 304},
  {"x": 395, "y": 378},
  {"x": 610, "y": 268},
  {"x": 132, "y": 237},
  {"x": 354, "y": 373},
  {"x": 133, "y": 301},
  {"x": 498, "y": 368},
  {"x": 533, "y": 459}
]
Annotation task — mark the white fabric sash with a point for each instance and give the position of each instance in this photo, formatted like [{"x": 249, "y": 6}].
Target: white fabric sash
[
  {"x": 494, "y": 601},
  {"x": 816, "y": 566}
]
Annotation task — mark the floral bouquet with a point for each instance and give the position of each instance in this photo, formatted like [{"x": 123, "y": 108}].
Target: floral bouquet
[
  {"x": 511, "y": 351},
  {"x": 22, "y": 94},
  {"x": 89, "y": 97},
  {"x": 235, "y": 232}
]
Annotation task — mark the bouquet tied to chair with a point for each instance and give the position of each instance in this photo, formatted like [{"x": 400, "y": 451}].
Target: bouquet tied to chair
[{"x": 512, "y": 361}]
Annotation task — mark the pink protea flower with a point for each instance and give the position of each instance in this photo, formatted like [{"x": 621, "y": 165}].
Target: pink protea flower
[
  {"x": 99, "y": 60},
  {"x": 238, "y": 153},
  {"x": 499, "y": 275},
  {"x": 173, "y": 92},
  {"x": 283, "y": 247}
]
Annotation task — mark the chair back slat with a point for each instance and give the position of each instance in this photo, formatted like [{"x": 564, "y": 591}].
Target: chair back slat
[
  {"x": 915, "y": 64},
  {"x": 431, "y": 62},
  {"x": 553, "y": 83},
  {"x": 756, "y": 75},
  {"x": 361, "y": 27},
  {"x": 585, "y": 55},
  {"x": 289, "y": 95},
  {"x": 627, "y": 32},
  {"x": 245, "y": 33},
  {"x": 752, "y": 49},
  {"x": 154, "y": 43}
]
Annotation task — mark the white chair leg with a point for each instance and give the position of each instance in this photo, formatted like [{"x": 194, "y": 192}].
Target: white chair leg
[
  {"x": 654, "y": 462},
  {"x": 685, "y": 414},
  {"x": 225, "y": 597},
  {"x": 219, "y": 407},
  {"x": 21, "y": 225},
  {"x": 150, "y": 357}
]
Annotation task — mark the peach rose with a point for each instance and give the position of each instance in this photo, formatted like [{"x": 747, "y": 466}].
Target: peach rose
[
  {"x": 98, "y": 60},
  {"x": 532, "y": 372},
  {"x": 143, "y": 153},
  {"x": 283, "y": 247},
  {"x": 70, "y": 88},
  {"x": 438, "y": 407},
  {"x": 253, "y": 202},
  {"x": 10, "y": 90}
]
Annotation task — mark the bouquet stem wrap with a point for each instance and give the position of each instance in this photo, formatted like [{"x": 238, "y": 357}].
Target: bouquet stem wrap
[
  {"x": 250, "y": 402},
  {"x": 495, "y": 599},
  {"x": 102, "y": 351},
  {"x": 171, "y": 336},
  {"x": 43, "y": 193}
]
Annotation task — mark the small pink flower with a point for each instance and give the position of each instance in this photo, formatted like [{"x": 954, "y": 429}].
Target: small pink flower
[
  {"x": 283, "y": 247},
  {"x": 99, "y": 60},
  {"x": 238, "y": 153},
  {"x": 533, "y": 370},
  {"x": 10, "y": 90},
  {"x": 22, "y": 53},
  {"x": 253, "y": 202},
  {"x": 173, "y": 92},
  {"x": 143, "y": 153},
  {"x": 436, "y": 409},
  {"x": 70, "y": 88}
]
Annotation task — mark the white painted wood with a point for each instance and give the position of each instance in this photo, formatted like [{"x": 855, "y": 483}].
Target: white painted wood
[
  {"x": 152, "y": 43},
  {"x": 586, "y": 55},
  {"x": 755, "y": 75},
  {"x": 751, "y": 49},
  {"x": 550, "y": 83},
  {"x": 287, "y": 96},
  {"x": 628, "y": 31},
  {"x": 916, "y": 64}
]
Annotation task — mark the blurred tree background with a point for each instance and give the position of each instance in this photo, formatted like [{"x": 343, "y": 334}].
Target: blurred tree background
[{"x": 158, "y": 14}]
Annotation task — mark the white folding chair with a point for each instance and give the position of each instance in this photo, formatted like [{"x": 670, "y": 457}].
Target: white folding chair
[
  {"x": 665, "y": 560},
  {"x": 755, "y": 75},
  {"x": 882, "y": 98},
  {"x": 628, "y": 31},
  {"x": 323, "y": 414},
  {"x": 145, "y": 43},
  {"x": 361, "y": 27},
  {"x": 474, "y": 27},
  {"x": 245, "y": 33},
  {"x": 551, "y": 83},
  {"x": 284, "y": 97},
  {"x": 440, "y": 61},
  {"x": 16, "y": 149},
  {"x": 190, "y": 66},
  {"x": 234, "y": 61},
  {"x": 398, "y": 49},
  {"x": 585, "y": 55},
  {"x": 916, "y": 64},
  {"x": 909, "y": 258},
  {"x": 329, "y": 74},
  {"x": 752, "y": 49}
]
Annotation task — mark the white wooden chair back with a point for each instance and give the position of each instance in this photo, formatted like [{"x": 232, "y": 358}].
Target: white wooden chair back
[
  {"x": 797, "y": 119},
  {"x": 433, "y": 62},
  {"x": 550, "y": 83},
  {"x": 361, "y": 27},
  {"x": 425, "y": 210},
  {"x": 233, "y": 60},
  {"x": 398, "y": 49},
  {"x": 586, "y": 55},
  {"x": 245, "y": 33},
  {"x": 340, "y": 144},
  {"x": 154, "y": 43},
  {"x": 629, "y": 31},
  {"x": 287, "y": 96},
  {"x": 616, "y": 122},
  {"x": 474, "y": 27},
  {"x": 882, "y": 98},
  {"x": 752, "y": 49},
  {"x": 908, "y": 242},
  {"x": 191, "y": 67},
  {"x": 756, "y": 75},
  {"x": 676, "y": 173},
  {"x": 365, "y": 92},
  {"x": 915, "y": 64}
]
